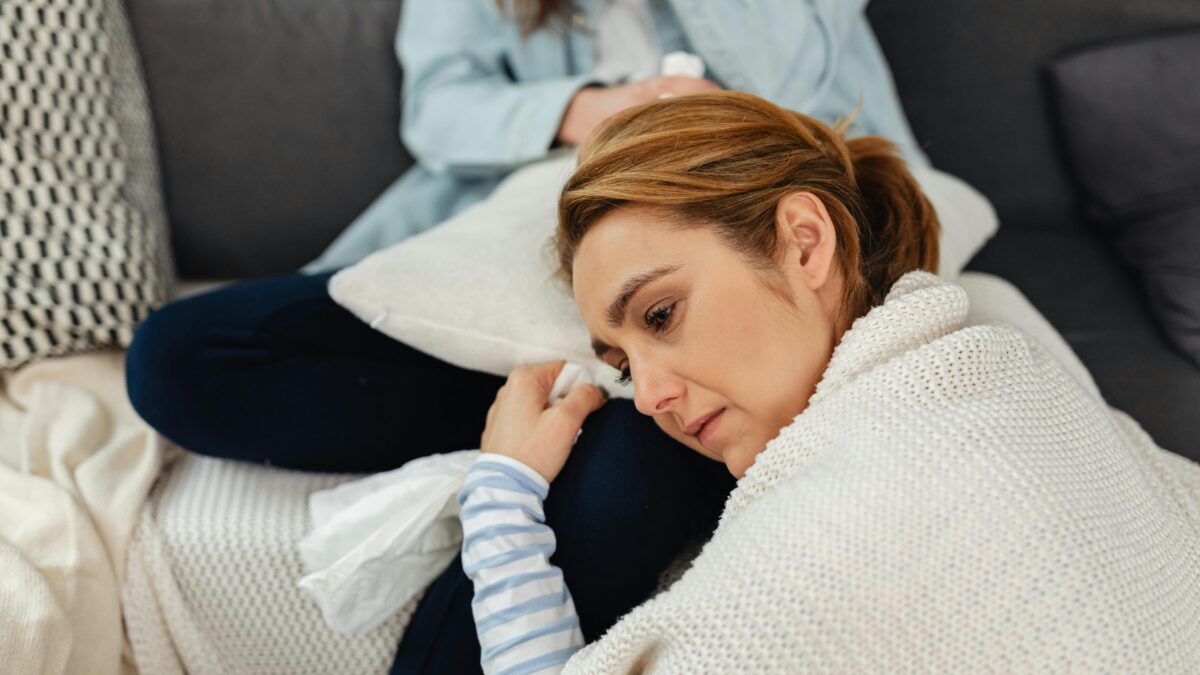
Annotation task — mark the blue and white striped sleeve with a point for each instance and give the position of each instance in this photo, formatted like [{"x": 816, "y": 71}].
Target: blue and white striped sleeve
[{"x": 524, "y": 615}]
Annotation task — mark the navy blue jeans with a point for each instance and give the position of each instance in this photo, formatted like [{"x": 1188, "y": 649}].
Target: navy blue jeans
[{"x": 273, "y": 371}]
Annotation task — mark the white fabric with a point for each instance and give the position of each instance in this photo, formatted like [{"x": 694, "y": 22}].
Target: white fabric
[
  {"x": 76, "y": 463},
  {"x": 571, "y": 376},
  {"x": 951, "y": 500},
  {"x": 625, "y": 44},
  {"x": 211, "y": 578},
  {"x": 967, "y": 218},
  {"x": 379, "y": 541},
  {"x": 682, "y": 64},
  {"x": 993, "y": 299},
  {"x": 479, "y": 290}
]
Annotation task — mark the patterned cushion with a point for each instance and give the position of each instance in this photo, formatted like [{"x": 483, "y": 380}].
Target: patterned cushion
[{"x": 83, "y": 246}]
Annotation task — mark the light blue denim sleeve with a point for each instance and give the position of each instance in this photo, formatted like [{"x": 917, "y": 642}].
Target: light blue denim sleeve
[
  {"x": 462, "y": 114},
  {"x": 783, "y": 50},
  {"x": 818, "y": 57}
]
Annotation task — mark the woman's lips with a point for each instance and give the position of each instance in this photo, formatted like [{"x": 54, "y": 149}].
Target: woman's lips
[{"x": 709, "y": 428}]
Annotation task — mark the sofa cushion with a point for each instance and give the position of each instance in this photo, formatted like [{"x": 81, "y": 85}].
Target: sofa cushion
[
  {"x": 1078, "y": 283},
  {"x": 1130, "y": 120},
  {"x": 968, "y": 77},
  {"x": 83, "y": 236},
  {"x": 278, "y": 123},
  {"x": 210, "y": 585}
]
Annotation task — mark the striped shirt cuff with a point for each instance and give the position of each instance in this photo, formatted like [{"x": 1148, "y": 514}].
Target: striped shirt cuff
[{"x": 524, "y": 615}]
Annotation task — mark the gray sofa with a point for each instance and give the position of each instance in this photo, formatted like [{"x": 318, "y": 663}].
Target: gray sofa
[{"x": 278, "y": 123}]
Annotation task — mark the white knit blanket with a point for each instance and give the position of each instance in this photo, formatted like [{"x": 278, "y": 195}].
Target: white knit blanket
[
  {"x": 952, "y": 501},
  {"x": 76, "y": 463}
]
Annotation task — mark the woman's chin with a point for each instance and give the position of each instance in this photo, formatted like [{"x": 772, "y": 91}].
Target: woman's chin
[
  {"x": 738, "y": 460},
  {"x": 740, "y": 456}
]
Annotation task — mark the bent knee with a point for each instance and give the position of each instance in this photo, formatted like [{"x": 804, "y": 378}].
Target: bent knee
[{"x": 161, "y": 361}]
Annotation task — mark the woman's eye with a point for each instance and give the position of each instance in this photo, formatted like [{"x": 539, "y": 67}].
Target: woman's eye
[
  {"x": 626, "y": 376},
  {"x": 659, "y": 318}
]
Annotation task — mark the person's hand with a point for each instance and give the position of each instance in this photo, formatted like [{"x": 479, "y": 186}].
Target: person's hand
[
  {"x": 521, "y": 425},
  {"x": 593, "y": 105}
]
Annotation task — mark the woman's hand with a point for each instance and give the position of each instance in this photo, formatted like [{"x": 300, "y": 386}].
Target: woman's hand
[
  {"x": 593, "y": 105},
  {"x": 521, "y": 425}
]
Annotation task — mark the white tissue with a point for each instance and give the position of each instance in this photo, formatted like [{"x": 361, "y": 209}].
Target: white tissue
[
  {"x": 378, "y": 542},
  {"x": 682, "y": 64},
  {"x": 571, "y": 376}
]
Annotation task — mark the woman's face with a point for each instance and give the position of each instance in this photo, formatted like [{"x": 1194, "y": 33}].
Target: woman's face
[{"x": 722, "y": 354}]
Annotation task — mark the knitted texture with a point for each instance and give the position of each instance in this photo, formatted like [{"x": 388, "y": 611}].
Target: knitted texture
[
  {"x": 212, "y": 571},
  {"x": 84, "y": 252},
  {"x": 951, "y": 500}
]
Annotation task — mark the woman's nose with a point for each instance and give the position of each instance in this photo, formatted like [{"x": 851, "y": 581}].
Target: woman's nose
[{"x": 655, "y": 390}]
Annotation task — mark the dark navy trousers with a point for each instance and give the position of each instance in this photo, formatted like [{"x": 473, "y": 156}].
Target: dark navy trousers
[{"x": 273, "y": 371}]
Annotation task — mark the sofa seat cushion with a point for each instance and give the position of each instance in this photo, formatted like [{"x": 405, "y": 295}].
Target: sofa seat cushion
[
  {"x": 212, "y": 572},
  {"x": 1078, "y": 283}
]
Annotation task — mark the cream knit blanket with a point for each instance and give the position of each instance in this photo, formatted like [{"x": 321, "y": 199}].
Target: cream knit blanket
[
  {"x": 950, "y": 501},
  {"x": 76, "y": 463}
]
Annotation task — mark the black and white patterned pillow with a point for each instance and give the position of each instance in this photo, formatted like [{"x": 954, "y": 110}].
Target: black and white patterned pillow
[{"x": 84, "y": 253}]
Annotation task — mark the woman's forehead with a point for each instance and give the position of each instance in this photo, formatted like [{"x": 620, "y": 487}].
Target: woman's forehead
[
  {"x": 625, "y": 251},
  {"x": 617, "y": 249},
  {"x": 624, "y": 240}
]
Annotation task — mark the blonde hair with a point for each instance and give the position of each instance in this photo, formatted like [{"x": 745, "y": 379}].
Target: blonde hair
[{"x": 725, "y": 159}]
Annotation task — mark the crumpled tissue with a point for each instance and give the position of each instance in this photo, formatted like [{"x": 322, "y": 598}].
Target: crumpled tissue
[{"x": 379, "y": 541}]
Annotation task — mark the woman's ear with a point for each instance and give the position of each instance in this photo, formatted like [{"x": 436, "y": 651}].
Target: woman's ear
[{"x": 807, "y": 237}]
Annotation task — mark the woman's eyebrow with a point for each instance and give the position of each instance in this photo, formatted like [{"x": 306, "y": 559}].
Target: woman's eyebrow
[
  {"x": 601, "y": 348},
  {"x": 616, "y": 311}
]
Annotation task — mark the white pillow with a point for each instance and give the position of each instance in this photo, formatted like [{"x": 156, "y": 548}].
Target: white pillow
[
  {"x": 479, "y": 290},
  {"x": 967, "y": 217}
]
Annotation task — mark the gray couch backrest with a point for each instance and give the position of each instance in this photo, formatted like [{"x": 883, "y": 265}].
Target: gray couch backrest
[
  {"x": 970, "y": 78},
  {"x": 278, "y": 121}
]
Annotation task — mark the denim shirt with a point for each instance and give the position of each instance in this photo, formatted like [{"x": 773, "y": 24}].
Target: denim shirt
[{"x": 480, "y": 100}]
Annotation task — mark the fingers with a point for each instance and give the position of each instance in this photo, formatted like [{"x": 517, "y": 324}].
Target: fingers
[
  {"x": 491, "y": 413},
  {"x": 535, "y": 381},
  {"x": 579, "y": 403},
  {"x": 546, "y": 374},
  {"x": 528, "y": 387}
]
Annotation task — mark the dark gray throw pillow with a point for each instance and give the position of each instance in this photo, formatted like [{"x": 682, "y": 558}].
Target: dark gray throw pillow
[{"x": 1129, "y": 114}]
